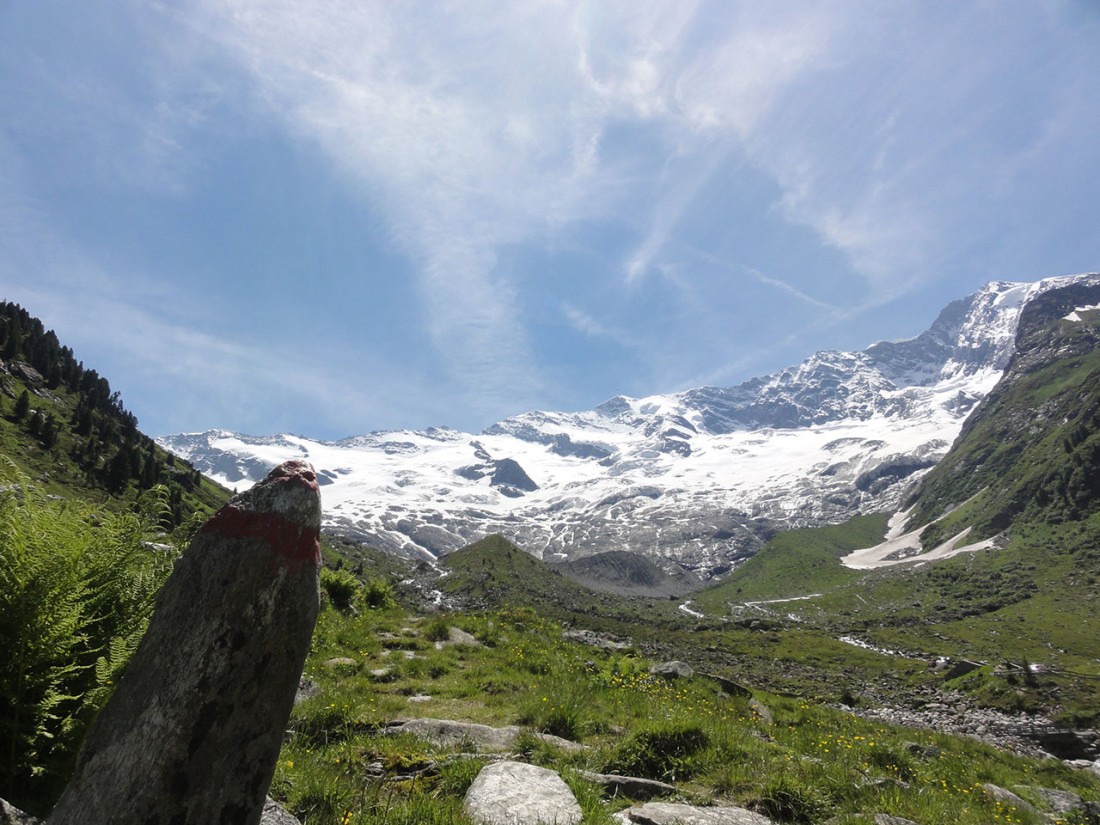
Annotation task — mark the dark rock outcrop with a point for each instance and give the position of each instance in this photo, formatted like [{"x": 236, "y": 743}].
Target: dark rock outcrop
[{"x": 193, "y": 732}]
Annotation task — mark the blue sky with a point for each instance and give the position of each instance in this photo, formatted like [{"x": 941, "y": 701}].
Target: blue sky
[{"x": 334, "y": 217}]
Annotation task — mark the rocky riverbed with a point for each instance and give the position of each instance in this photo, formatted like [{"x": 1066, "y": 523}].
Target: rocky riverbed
[{"x": 951, "y": 712}]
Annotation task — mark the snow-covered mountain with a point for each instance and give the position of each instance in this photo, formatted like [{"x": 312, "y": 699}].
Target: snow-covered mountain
[{"x": 698, "y": 479}]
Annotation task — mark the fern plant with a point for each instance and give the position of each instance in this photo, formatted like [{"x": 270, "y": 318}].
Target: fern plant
[{"x": 76, "y": 591}]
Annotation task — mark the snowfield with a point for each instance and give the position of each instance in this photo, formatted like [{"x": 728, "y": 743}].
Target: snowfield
[{"x": 697, "y": 479}]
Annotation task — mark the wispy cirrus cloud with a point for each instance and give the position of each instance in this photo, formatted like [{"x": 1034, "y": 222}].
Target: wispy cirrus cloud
[
  {"x": 463, "y": 131},
  {"x": 681, "y": 181},
  {"x": 876, "y": 125}
]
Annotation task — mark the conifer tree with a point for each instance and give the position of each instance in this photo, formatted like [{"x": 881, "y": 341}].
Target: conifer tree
[{"x": 22, "y": 406}]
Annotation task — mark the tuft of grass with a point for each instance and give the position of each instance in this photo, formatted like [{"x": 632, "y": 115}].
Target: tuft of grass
[
  {"x": 791, "y": 799},
  {"x": 663, "y": 752},
  {"x": 437, "y": 630}
]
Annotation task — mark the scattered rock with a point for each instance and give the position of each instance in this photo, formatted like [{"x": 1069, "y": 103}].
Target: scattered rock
[
  {"x": 11, "y": 815},
  {"x": 604, "y": 641},
  {"x": 458, "y": 636},
  {"x": 192, "y": 734},
  {"x": 307, "y": 689},
  {"x": 951, "y": 712},
  {"x": 420, "y": 697},
  {"x": 1006, "y": 797},
  {"x": 922, "y": 751},
  {"x": 887, "y": 819},
  {"x": 276, "y": 814},
  {"x": 1059, "y": 802},
  {"x": 672, "y": 670},
  {"x": 882, "y": 782},
  {"x": 632, "y": 787},
  {"x": 24, "y": 371},
  {"x": 342, "y": 663},
  {"x": 515, "y": 793},
  {"x": 671, "y": 813},
  {"x": 960, "y": 668},
  {"x": 762, "y": 712},
  {"x": 1067, "y": 804},
  {"x": 728, "y": 686},
  {"x": 1066, "y": 744},
  {"x": 383, "y": 674},
  {"x": 448, "y": 733},
  {"x": 1085, "y": 764}
]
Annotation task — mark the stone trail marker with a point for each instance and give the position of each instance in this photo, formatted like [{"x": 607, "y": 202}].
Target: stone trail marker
[{"x": 192, "y": 734}]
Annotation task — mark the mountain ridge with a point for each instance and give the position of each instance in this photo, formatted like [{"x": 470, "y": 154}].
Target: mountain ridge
[{"x": 697, "y": 479}]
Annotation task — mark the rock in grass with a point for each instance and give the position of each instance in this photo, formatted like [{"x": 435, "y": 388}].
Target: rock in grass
[
  {"x": 671, "y": 813},
  {"x": 448, "y": 733},
  {"x": 632, "y": 787},
  {"x": 515, "y": 793},
  {"x": 1065, "y": 804},
  {"x": 1008, "y": 798},
  {"x": 728, "y": 686},
  {"x": 192, "y": 733},
  {"x": 11, "y": 815},
  {"x": 672, "y": 670},
  {"x": 276, "y": 814},
  {"x": 761, "y": 712}
]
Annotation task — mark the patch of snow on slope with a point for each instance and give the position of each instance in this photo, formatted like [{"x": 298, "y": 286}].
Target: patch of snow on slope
[
  {"x": 906, "y": 549},
  {"x": 1075, "y": 316}
]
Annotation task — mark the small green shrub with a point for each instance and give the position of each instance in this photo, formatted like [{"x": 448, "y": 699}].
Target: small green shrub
[
  {"x": 340, "y": 588},
  {"x": 377, "y": 595}
]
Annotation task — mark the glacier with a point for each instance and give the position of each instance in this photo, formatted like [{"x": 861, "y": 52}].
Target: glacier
[{"x": 695, "y": 480}]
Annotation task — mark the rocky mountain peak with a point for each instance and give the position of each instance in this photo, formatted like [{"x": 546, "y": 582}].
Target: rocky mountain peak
[{"x": 698, "y": 478}]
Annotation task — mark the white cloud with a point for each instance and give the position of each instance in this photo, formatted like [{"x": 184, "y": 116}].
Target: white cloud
[
  {"x": 478, "y": 128},
  {"x": 188, "y": 378},
  {"x": 461, "y": 125}
]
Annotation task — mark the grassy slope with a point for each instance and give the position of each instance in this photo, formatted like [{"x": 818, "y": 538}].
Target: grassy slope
[
  {"x": 811, "y": 764},
  {"x": 1033, "y": 600},
  {"x": 796, "y": 563},
  {"x": 494, "y": 573},
  {"x": 55, "y": 471},
  {"x": 1031, "y": 451}
]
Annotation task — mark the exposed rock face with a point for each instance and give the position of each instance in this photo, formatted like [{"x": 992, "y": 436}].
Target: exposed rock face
[
  {"x": 515, "y": 793},
  {"x": 193, "y": 732}
]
